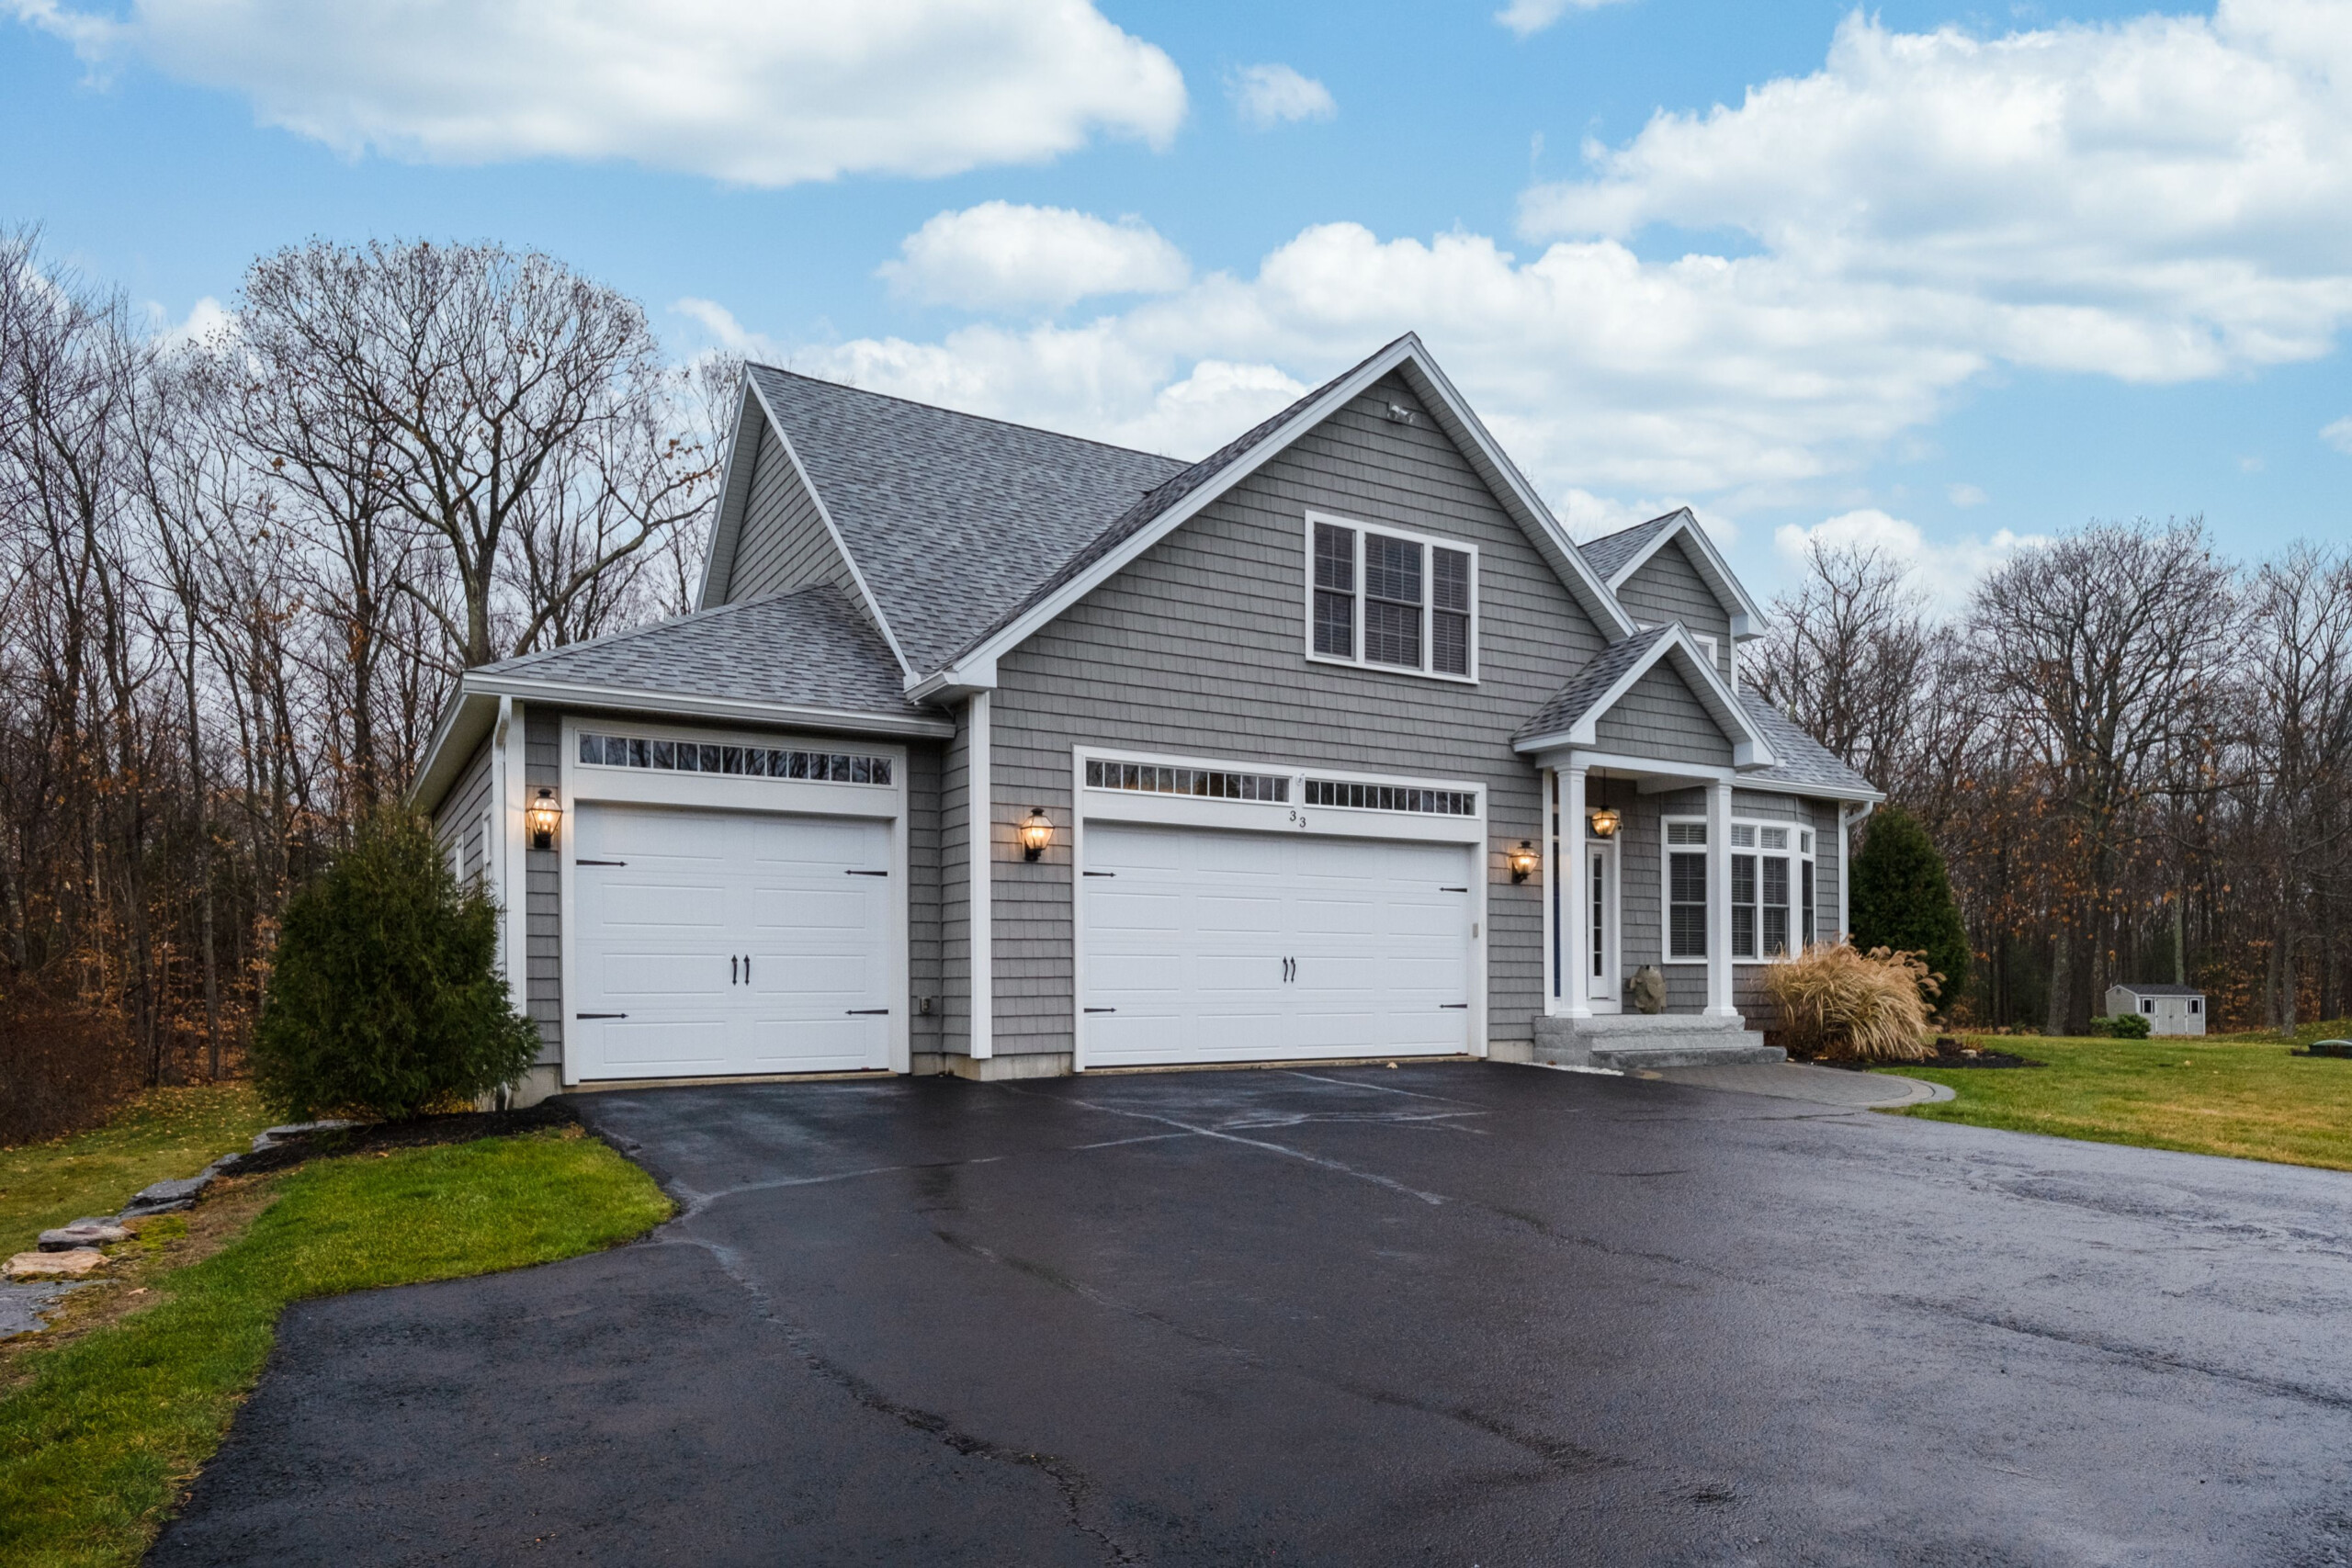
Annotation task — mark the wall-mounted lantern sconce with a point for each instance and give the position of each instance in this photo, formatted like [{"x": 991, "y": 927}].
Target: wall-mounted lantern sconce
[
  {"x": 1037, "y": 832},
  {"x": 1603, "y": 823},
  {"x": 543, "y": 816},
  {"x": 1522, "y": 862}
]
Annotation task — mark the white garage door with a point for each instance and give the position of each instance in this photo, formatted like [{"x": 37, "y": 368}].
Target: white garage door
[
  {"x": 714, "y": 943},
  {"x": 1235, "y": 947}
]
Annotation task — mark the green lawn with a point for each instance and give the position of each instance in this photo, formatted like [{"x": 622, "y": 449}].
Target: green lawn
[
  {"x": 165, "y": 1133},
  {"x": 96, "y": 1445},
  {"x": 2243, "y": 1097}
]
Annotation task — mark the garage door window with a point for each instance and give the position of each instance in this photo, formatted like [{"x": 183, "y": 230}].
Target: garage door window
[{"x": 750, "y": 762}]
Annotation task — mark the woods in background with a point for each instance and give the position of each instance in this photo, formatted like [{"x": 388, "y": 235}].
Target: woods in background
[
  {"x": 238, "y": 575},
  {"x": 2136, "y": 758}
]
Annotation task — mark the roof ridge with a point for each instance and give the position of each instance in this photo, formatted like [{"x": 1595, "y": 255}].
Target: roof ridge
[{"x": 960, "y": 413}]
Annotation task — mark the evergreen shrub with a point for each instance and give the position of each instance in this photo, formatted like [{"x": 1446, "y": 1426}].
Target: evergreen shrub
[
  {"x": 1902, "y": 899},
  {"x": 385, "y": 1000},
  {"x": 2121, "y": 1026}
]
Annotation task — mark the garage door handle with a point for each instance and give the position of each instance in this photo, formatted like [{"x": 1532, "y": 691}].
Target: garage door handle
[
  {"x": 869, "y": 1012},
  {"x": 865, "y": 873},
  {"x": 600, "y": 1015},
  {"x": 1454, "y": 890}
]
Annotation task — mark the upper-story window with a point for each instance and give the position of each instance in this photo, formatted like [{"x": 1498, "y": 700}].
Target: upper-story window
[{"x": 1390, "y": 600}]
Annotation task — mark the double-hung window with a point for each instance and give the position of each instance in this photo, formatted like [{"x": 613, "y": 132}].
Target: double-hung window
[
  {"x": 1772, "y": 889},
  {"x": 1391, "y": 601},
  {"x": 1686, "y": 889}
]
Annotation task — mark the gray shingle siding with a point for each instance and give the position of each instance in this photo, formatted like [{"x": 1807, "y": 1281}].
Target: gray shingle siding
[
  {"x": 1197, "y": 648},
  {"x": 543, "y": 928},
  {"x": 1660, "y": 716},
  {"x": 1669, "y": 588},
  {"x": 783, "y": 542},
  {"x": 458, "y": 820}
]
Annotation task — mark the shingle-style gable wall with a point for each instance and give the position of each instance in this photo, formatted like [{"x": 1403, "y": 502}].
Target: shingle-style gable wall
[
  {"x": 1668, "y": 587},
  {"x": 1197, "y": 648},
  {"x": 782, "y": 541},
  {"x": 1661, "y": 717}
]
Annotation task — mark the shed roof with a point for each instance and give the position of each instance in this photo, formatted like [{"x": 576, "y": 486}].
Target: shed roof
[{"x": 2138, "y": 990}]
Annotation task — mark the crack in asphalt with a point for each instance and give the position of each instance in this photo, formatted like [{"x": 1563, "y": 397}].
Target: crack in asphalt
[
  {"x": 1559, "y": 1453},
  {"x": 1076, "y": 1488}
]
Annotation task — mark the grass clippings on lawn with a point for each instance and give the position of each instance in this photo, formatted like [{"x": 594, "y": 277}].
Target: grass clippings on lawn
[
  {"x": 2243, "y": 1097},
  {"x": 165, "y": 1133},
  {"x": 98, "y": 1436}
]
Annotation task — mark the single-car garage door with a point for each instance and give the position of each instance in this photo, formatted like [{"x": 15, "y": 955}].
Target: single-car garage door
[
  {"x": 1203, "y": 946},
  {"x": 717, "y": 942}
]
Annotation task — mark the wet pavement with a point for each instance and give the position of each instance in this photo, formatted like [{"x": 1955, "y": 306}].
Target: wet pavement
[{"x": 1445, "y": 1314}]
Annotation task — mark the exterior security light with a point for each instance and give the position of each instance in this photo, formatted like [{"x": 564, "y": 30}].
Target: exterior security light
[
  {"x": 1037, "y": 832},
  {"x": 543, "y": 816},
  {"x": 1522, "y": 862},
  {"x": 1603, "y": 823}
]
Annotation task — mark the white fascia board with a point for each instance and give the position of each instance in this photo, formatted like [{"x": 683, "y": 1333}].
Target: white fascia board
[
  {"x": 1407, "y": 349},
  {"x": 825, "y": 515},
  {"x": 1746, "y": 615},
  {"x": 1598, "y": 601},
  {"x": 954, "y": 682},
  {"x": 727, "y": 502},
  {"x": 682, "y": 704},
  {"x": 464, "y": 722}
]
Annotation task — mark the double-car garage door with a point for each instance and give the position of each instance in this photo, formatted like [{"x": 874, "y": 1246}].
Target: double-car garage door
[
  {"x": 723, "y": 942},
  {"x": 1198, "y": 945}
]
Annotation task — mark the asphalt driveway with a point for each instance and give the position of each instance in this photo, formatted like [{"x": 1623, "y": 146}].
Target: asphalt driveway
[{"x": 1446, "y": 1315}]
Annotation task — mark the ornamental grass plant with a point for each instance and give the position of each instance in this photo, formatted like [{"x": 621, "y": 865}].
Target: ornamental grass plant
[{"x": 1837, "y": 1001}]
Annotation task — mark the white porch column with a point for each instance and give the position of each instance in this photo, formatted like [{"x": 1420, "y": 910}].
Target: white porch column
[
  {"x": 1719, "y": 1002},
  {"x": 1576, "y": 936},
  {"x": 979, "y": 836}
]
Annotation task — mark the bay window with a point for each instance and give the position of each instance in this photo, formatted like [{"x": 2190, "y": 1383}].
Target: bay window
[{"x": 1770, "y": 882}]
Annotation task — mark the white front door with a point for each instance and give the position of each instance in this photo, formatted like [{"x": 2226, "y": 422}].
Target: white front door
[
  {"x": 1604, "y": 979},
  {"x": 724, "y": 942},
  {"x": 1207, "y": 946}
]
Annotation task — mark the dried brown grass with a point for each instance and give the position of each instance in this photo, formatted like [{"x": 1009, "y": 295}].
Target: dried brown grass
[{"x": 1837, "y": 1001}]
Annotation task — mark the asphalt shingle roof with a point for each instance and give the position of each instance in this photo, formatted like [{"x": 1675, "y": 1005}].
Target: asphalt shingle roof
[
  {"x": 1798, "y": 759},
  {"x": 952, "y": 519},
  {"x": 1610, "y": 551},
  {"x": 811, "y": 648},
  {"x": 1588, "y": 685}
]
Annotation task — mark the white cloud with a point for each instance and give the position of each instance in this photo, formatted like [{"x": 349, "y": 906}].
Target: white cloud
[
  {"x": 738, "y": 90},
  {"x": 1527, "y": 18},
  {"x": 1967, "y": 495},
  {"x": 207, "y": 317},
  {"x": 1268, "y": 96},
  {"x": 725, "y": 332},
  {"x": 1948, "y": 571},
  {"x": 997, "y": 255},
  {"x": 2158, "y": 201},
  {"x": 2339, "y": 434}
]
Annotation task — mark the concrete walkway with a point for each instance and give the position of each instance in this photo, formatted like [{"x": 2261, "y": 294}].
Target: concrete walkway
[{"x": 1822, "y": 1086}]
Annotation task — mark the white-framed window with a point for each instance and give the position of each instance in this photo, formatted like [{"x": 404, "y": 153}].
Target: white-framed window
[
  {"x": 1772, "y": 890},
  {"x": 1381, "y": 598},
  {"x": 1686, "y": 890},
  {"x": 2196, "y": 1005}
]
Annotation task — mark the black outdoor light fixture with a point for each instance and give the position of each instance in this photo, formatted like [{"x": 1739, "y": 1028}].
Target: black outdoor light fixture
[
  {"x": 543, "y": 816},
  {"x": 1037, "y": 832},
  {"x": 1522, "y": 862}
]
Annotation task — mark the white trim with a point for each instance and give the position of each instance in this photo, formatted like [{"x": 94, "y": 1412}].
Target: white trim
[
  {"x": 684, "y": 704},
  {"x": 1719, "y": 972},
  {"x": 980, "y": 842},
  {"x": 1612, "y": 926},
  {"x": 597, "y": 784},
  {"x": 1666, "y": 851},
  {"x": 726, "y": 493},
  {"x": 1407, "y": 350},
  {"x": 1747, "y": 616},
  {"x": 1428, "y": 669},
  {"x": 1846, "y": 822},
  {"x": 510, "y": 760},
  {"x": 1480, "y": 859},
  {"x": 1797, "y": 856}
]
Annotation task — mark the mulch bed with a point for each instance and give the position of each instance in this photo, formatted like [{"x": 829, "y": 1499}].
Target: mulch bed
[
  {"x": 1950, "y": 1053},
  {"x": 417, "y": 1132}
]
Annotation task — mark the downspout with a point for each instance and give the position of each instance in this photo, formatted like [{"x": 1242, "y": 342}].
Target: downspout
[{"x": 1847, "y": 817}]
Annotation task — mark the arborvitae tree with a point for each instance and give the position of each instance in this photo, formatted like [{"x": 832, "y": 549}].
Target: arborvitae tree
[
  {"x": 1902, "y": 899},
  {"x": 386, "y": 999}
]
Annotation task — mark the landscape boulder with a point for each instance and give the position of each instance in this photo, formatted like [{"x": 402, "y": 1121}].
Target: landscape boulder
[
  {"x": 79, "y": 1264},
  {"x": 166, "y": 1197},
  {"x": 82, "y": 1234}
]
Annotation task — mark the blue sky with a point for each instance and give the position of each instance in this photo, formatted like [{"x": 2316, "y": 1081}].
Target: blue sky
[{"x": 1930, "y": 277}]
